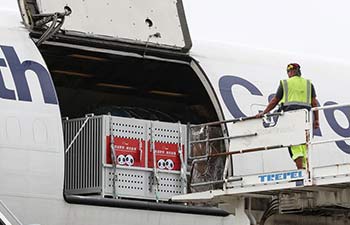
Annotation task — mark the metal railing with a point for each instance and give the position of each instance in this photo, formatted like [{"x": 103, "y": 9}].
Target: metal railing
[
  {"x": 206, "y": 140},
  {"x": 312, "y": 143},
  {"x": 8, "y": 216},
  {"x": 204, "y": 128}
]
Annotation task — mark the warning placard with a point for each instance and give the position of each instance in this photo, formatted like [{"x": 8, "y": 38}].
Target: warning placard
[
  {"x": 167, "y": 156},
  {"x": 129, "y": 152}
]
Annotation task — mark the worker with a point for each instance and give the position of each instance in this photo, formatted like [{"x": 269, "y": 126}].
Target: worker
[{"x": 295, "y": 93}]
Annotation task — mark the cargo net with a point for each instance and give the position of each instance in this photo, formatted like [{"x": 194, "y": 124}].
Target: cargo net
[{"x": 205, "y": 170}]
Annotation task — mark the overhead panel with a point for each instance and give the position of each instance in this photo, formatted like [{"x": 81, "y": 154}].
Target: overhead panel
[{"x": 156, "y": 23}]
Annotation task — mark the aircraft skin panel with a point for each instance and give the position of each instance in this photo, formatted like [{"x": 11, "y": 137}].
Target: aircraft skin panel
[
  {"x": 31, "y": 137},
  {"x": 160, "y": 23},
  {"x": 58, "y": 212},
  {"x": 32, "y": 150},
  {"x": 244, "y": 79},
  {"x": 30, "y": 127},
  {"x": 31, "y": 158}
]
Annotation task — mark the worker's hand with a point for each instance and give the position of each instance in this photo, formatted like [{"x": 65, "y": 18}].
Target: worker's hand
[
  {"x": 316, "y": 124},
  {"x": 259, "y": 115}
]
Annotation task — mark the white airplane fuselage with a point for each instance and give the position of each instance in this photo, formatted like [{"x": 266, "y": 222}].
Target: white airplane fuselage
[{"x": 31, "y": 136}]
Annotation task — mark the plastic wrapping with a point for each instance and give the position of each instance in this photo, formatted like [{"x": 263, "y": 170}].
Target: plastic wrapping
[{"x": 210, "y": 168}]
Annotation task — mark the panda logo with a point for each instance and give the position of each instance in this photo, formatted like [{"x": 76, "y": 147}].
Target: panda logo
[
  {"x": 161, "y": 164},
  {"x": 169, "y": 164},
  {"x": 129, "y": 160},
  {"x": 121, "y": 159}
]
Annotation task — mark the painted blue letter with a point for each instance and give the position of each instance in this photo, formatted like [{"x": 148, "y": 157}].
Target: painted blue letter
[
  {"x": 225, "y": 85},
  {"x": 344, "y": 132},
  {"x": 18, "y": 70},
  {"x": 4, "y": 92}
]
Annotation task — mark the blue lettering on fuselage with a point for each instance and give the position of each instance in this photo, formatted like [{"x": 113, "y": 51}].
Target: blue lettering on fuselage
[
  {"x": 226, "y": 83},
  {"x": 18, "y": 70}
]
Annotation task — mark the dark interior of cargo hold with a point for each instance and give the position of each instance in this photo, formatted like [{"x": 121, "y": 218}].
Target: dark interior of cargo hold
[{"x": 136, "y": 87}]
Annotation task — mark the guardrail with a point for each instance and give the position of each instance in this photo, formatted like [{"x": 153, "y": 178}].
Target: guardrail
[
  {"x": 205, "y": 141},
  {"x": 313, "y": 142},
  {"x": 9, "y": 217}
]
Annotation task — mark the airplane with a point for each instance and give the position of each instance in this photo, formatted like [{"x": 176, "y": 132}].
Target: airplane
[{"x": 55, "y": 63}]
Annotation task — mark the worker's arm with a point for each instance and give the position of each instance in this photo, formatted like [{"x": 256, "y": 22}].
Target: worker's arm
[
  {"x": 272, "y": 104},
  {"x": 314, "y": 104}
]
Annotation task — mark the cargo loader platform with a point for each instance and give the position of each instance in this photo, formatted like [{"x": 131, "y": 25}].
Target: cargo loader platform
[{"x": 258, "y": 164}]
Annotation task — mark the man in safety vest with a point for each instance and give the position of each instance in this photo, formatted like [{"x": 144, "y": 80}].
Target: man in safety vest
[{"x": 295, "y": 93}]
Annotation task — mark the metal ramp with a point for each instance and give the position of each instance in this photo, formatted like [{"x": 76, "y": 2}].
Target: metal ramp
[{"x": 258, "y": 164}]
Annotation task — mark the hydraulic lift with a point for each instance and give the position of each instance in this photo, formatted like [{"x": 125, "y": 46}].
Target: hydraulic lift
[{"x": 257, "y": 165}]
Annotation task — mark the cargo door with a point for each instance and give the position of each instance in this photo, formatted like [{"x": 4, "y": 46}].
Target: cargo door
[{"x": 159, "y": 24}]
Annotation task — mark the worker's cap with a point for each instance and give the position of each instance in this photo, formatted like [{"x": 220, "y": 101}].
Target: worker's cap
[{"x": 293, "y": 66}]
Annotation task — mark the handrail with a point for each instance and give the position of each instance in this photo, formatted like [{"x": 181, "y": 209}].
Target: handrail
[
  {"x": 223, "y": 138},
  {"x": 223, "y": 121},
  {"x": 310, "y": 141},
  {"x": 234, "y": 120},
  {"x": 10, "y": 212},
  {"x": 330, "y": 107},
  {"x": 232, "y": 179},
  {"x": 330, "y": 140},
  {"x": 207, "y": 140},
  {"x": 253, "y": 117}
]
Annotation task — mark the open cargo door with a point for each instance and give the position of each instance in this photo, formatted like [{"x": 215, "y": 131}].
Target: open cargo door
[{"x": 155, "y": 24}]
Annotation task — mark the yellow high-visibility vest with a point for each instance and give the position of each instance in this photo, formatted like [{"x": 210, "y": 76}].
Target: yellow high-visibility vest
[{"x": 296, "y": 91}]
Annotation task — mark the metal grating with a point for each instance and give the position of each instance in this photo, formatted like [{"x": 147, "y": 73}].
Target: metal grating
[
  {"x": 130, "y": 183},
  {"x": 84, "y": 159},
  {"x": 139, "y": 184},
  {"x": 169, "y": 185},
  {"x": 127, "y": 128},
  {"x": 167, "y": 133}
]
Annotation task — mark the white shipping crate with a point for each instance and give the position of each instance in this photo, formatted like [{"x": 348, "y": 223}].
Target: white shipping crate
[{"x": 90, "y": 170}]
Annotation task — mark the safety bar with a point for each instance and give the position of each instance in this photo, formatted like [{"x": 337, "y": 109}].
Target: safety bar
[
  {"x": 10, "y": 212},
  {"x": 224, "y": 138},
  {"x": 330, "y": 140},
  {"x": 208, "y": 140},
  {"x": 217, "y": 182},
  {"x": 335, "y": 106},
  {"x": 87, "y": 117},
  {"x": 212, "y": 140},
  {"x": 309, "y": 142},
  {"x": 235, "y": 120},
  {"x": 330, "y": 107},
  {"x": 254, "y": 134},
  {"x": 312, "y": 143}
]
